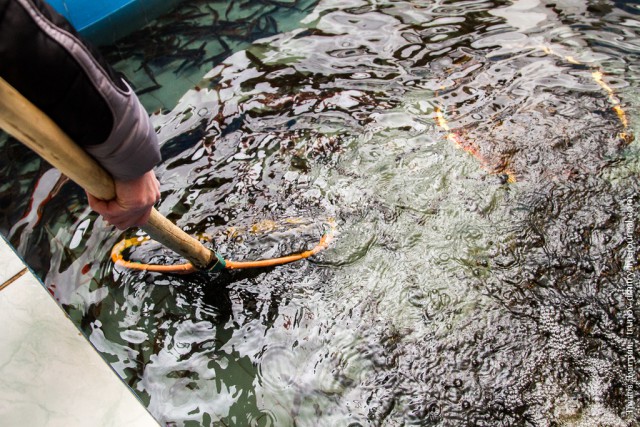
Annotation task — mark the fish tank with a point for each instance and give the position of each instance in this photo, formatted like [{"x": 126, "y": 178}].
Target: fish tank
[{"x": 479, "y": 160}]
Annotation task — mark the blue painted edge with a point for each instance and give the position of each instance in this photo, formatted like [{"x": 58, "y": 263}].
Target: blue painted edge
[{"x": 104, "y": 22}]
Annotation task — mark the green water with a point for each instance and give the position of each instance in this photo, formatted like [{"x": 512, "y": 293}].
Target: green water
[
  {"x": 170, "y": 55},
  {"x": 451, "y": 295}
]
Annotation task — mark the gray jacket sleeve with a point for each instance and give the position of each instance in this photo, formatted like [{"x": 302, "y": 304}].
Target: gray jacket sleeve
[{"x": 43, "y": 57}]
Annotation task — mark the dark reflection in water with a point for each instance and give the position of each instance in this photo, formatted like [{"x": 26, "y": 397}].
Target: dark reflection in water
[
  {"x": 170, "y": 55},
  {"x": 478, "y": 158}
]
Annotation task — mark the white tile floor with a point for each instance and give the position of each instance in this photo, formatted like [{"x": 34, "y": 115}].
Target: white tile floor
[{"x": 49, "y": 374}]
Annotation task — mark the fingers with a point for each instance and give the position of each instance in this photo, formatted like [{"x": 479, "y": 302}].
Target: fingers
[
  {"x": 121, "y": 217},
  {"x": 125, "y": 218},
  {"x": 97, "y": 205}
]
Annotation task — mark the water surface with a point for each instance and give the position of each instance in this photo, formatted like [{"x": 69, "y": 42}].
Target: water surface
[{"x": 480, "y": 163}]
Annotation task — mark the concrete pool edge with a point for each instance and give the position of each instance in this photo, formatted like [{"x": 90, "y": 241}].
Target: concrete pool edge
[{"x": 49, "y": 373}]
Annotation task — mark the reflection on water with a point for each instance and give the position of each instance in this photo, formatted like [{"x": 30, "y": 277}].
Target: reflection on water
[
  {"x": 478, "y": 171},
  {"x": 170, "y": 55}
]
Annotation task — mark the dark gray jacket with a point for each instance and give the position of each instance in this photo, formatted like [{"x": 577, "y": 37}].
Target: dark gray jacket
[{"x": 42, "y": 56}]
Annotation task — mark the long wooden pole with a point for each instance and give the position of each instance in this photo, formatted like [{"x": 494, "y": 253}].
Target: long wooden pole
[{"x": 25, "y": 122}]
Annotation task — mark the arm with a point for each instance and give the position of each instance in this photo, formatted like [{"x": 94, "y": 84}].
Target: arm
[{"x": 42, "y": 56}]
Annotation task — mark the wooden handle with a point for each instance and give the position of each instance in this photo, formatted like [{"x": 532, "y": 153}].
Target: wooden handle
[{"x": 23, "y": 120}]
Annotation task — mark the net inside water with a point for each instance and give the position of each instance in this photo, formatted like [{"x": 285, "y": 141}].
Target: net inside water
[{"x": 479, "y": 161}]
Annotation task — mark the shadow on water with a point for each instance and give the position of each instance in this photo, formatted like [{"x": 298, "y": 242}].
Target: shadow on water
[{"x": 479, "y": 159}]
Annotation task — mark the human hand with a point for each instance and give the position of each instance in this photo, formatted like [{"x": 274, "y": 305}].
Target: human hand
[{"x": 132, "y": 204}]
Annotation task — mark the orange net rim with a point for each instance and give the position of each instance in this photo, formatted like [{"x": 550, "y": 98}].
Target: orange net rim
[{"x": 118, "y": 258}]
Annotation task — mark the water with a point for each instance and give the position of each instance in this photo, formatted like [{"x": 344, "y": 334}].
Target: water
[
  {"x": 479, "y": 174},
  {"x": 170, "y": 55}
]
